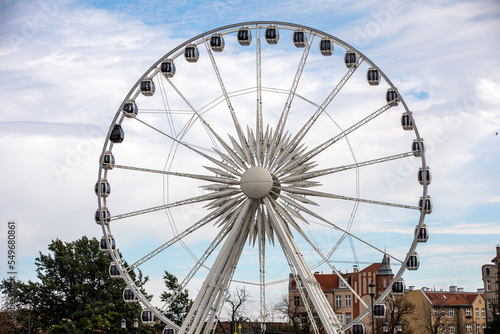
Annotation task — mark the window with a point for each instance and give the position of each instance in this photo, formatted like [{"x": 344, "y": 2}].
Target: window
[
  {"x": 451, "y": 313},
  {"x": 348, "y": 318},
  {"x": 338, "y": 301},
  {"x": 348, "y": 301},
  {"x": 488, "y": 285},
  {"x": 478, "y": 328},
  {"x": 436, "y": 312},
  {"x": 483, "y": 313},
  {"x": 296, "y": 301},
  {"x": 451, "y": 329},
  {"x": 468, "y": 328},
  {"x": 340, "y": 317},
  {"x": 468, "y": 312},
  {"x": 477, "y": 312},
  {"x": 443, "y": 312},
  {"x": 342, "y": 284},
  {"x": 443, "y": 329},
  {"x": 488, "y": 304}
]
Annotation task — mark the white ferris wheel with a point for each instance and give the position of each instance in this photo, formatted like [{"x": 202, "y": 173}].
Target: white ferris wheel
[{"x": 261, "y": 149}]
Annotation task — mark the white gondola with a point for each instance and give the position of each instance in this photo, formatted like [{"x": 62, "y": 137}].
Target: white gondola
[
  {"x": 217, "y": 42},
  {"x": 413, "y": 262},
  {"x": 407, "y": 121},
  {"x": 129, "y": 296},
  {"x": 392, "y": 97},
  {"x": 168, "y": 68},
  {"x": 117, "y": 135},
  {"x": 108, "y": 161},
  {"x": 130, "y": 109},
  {"x": 147, "y": 317},
  {"x": 350, "y": 59},
  {"x": 104, "y": 245},
  {"x": 191, "y": 53},
  {"x": 299, "y": 38},
  {"x": 113, "y": 271},
  {"x": 418, "y": 147},
  {"x": 272, "y": 34},
  {"x": 244, "y": 36},
  {"x": 104, "y": 186},
  {"x": 168, "y": 331},
  {"x": 373, "y": 76},
  {"x": 398, "y": 288},
  {"x": 424, "y": 177},
  {"x": 358, "y": 329},
  {"x": 106, "y": 216},
  {"x": 379, "y": 311},
  {"x": 427, "y": 207},
  {"x": 326, "y": 46},
  {"x": 147, "y": 87},
  {"x": 422, "y": 234}
]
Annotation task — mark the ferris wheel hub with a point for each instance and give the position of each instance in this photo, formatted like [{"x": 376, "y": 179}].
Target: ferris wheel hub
[{"x": 256, "y": 182}]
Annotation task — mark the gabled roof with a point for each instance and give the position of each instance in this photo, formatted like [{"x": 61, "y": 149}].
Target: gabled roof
[
  {"x": 326, "y": 281},
  {"x": 451, "y": 298},
  {"x": 373, "y": 267}
]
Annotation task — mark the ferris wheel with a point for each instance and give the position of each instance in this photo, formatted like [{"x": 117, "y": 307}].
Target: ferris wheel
[{"x": 256, "y": 150}]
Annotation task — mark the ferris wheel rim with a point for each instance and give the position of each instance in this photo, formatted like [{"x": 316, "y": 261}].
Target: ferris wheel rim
[{"x": 153, "y": 70}]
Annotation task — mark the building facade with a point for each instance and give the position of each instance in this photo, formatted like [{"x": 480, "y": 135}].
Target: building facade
[
  {"x": 491, "y": 278},
  {"x": 344, "y": 302},
  {"x": 450, "y": 312}
]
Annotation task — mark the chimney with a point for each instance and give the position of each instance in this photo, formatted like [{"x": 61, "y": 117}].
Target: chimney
[
  {"x": 480, "y": 290},
  {"x": 460, "y": 289},
  {"x": 453, "y": 288},
  {"x": 411, "y": 288}
]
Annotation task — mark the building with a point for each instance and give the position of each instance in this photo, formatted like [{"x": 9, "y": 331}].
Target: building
[
  {"x": 491, "y": 278},
  {"x": 343, "y": 301},
  {"x": 449, "y": 312}
]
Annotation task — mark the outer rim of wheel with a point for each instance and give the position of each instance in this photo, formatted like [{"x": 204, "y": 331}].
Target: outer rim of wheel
[{"x": 174, "y": 53}]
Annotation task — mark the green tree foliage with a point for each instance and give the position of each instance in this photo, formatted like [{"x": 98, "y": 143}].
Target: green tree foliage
[
  {"x": 74, "y": 293},
  {"x": 180, "y": 305}
]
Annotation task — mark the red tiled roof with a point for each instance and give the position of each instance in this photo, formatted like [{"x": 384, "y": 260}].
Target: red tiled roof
[
  {"x": 328, "y": 281},
  {"x": 373, "y": 267},
  {"x": 451, "y": 298}
]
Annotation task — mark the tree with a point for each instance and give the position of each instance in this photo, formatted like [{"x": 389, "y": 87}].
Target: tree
[
  {"x": 236, "y": 303},
  {"x": 398, "y": 309},
  {"x": 179, "y": 307},
  {"x": 294, "y": 312},
  {"x": 74, "y": 293}
]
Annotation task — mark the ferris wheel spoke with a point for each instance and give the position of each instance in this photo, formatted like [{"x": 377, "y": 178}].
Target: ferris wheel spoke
[
  {"x": 196, "y": 199},
  {"x": 236, "y": 123},
  {"x": 224, "y": 180},
  {"x": 308, "y": 192},
  {"x": 259, "y": 118},
  {"x": 216, "y": 214},
  {"x": 286, "y": 109},
  {"x": 299, "y": 176},
  {"x": 320, "y": 148}
]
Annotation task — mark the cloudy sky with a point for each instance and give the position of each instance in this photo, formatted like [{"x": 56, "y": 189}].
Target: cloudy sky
[{"x": 66, "y": 66}]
